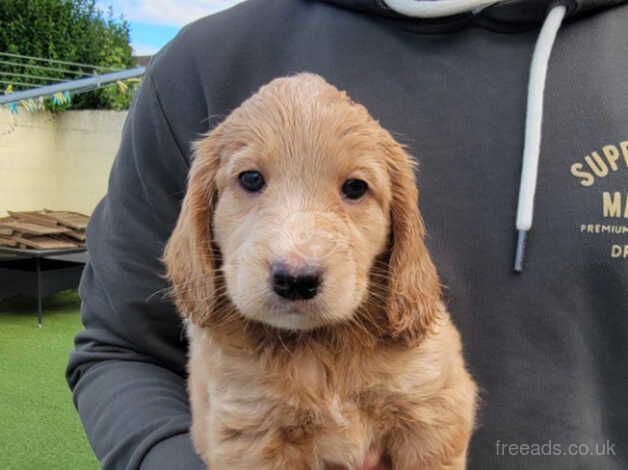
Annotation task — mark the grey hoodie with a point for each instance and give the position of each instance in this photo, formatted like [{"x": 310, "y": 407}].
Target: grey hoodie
[{"x": 548, "y": 346}]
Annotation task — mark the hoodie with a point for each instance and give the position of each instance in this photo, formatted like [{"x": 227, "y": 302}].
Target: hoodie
[{"x": 547, "y": 343}]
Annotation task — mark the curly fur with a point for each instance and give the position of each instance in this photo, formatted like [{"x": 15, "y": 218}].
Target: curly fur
[{"x": 375, "y": 363}]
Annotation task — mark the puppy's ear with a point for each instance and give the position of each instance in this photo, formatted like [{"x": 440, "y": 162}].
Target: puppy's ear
[
  {"x": 188, "y": 256},
  {"x": 414, "y": 289}
]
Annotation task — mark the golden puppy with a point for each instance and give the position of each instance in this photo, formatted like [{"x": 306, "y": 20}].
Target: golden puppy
[{"x": 316, "y": 326}]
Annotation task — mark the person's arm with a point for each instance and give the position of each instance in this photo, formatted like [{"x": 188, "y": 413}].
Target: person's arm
[{"x": 128, "y": 369}]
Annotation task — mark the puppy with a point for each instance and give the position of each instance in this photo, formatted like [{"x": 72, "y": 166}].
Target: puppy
[{"x": 317, "y": 331}]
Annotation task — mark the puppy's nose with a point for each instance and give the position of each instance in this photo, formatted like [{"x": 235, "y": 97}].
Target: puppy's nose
[{"x": 295, "y": 284}]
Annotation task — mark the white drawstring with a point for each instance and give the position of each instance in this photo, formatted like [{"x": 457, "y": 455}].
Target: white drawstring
[
  {"x": 435, "y": 8},
  {"x": 534, "y": 121},
  {"x": 534, "y": 110}
]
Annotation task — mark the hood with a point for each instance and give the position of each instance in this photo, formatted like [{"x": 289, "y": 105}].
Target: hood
[{"x": 505, "y": 16}]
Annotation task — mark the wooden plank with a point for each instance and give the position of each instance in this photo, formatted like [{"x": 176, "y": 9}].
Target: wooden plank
[
  {"x": 44, "y": 243},
  {"x": 6, "y": 231},
  {"x": 8, "y": 242},
  {"x": 69, "y": 219},
  {"x": 77, "y": 235},
  {"x": 35, "y": 218},
  {"x": 32, "y": 229},
  {"x": 67, "y": 239}
]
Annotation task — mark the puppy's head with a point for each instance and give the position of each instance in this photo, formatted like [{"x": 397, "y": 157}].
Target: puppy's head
[{"x": 301, "y": 213}]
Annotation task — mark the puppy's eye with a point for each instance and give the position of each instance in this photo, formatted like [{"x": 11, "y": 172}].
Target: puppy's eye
[
  {"x": 251, "y": 181},
  {"x": 354, "y": 188}
]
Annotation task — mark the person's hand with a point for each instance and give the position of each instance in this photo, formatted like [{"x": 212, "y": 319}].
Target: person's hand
[{"x": 374, "y": 461}]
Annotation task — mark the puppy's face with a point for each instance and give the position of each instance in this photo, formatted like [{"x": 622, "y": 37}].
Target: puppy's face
[
  {"x": 302, "y": 211},
  {"x": 296, "y": 193}
]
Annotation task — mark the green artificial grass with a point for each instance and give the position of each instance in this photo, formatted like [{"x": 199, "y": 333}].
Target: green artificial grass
[{"x": 39, "y": 427}]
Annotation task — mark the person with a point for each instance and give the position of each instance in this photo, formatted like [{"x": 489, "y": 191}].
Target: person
[{"x": 469, "y": 87}]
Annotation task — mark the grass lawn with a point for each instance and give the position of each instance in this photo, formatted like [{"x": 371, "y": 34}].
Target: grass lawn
[{"x": 39, "y": 427}]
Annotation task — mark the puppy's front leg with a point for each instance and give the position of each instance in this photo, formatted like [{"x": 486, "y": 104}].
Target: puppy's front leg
[
  {"x": 259, "y": 446},
  {"x": 435, "y": 434},
  {"x": 411, "y": 454}
]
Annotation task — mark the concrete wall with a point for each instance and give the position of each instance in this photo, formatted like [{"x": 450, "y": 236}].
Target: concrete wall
[{"x": 56, "y": 161}]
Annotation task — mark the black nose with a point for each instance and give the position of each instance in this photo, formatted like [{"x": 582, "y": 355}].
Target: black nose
[{"x": 299, "y": 284}]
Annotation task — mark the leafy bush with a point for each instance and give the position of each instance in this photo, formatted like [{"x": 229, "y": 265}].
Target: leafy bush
[{"x": 68, "y": 30}]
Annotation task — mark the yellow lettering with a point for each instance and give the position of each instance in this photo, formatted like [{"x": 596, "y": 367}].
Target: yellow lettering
[
  {"x": 597, "y": 165},
  {"x": 587, "y": 178},
  {"x": 618, "y": 251},
  {"x": 615, "y": 251},
  {"x": 611, "y": 207},
  {"x": 612, "y": 156},
  {"x": 624, "y": 151}
]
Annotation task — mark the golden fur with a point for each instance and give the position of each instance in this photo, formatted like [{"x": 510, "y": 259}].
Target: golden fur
[{"x": 373, "y": 361}]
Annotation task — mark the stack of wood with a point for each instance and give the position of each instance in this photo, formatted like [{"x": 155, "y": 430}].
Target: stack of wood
[{"x": 43, "y": 230}]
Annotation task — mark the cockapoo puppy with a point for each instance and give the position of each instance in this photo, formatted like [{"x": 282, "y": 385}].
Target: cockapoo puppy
[{"x": 317, "y": 331}]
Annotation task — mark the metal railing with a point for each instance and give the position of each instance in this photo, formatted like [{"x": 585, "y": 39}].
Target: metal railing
[
  {"x": 29, "y": 77},
  {"x": 75, "y": 86}
]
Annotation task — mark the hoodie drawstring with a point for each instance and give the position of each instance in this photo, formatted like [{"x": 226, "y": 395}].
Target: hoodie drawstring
[
  {"x": 534, "y": 122},
  {"x": 534, "y": 110}
]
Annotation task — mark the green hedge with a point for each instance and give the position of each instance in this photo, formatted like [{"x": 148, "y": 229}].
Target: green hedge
[{"x": 69, "y": 30}]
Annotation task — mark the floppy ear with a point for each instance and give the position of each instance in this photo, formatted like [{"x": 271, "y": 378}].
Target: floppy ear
[
  {"x": 414, "y": 289},
  {"x": 188, "y": 256}
]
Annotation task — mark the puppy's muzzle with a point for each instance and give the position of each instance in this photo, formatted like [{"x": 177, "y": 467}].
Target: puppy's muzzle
[{"x": 295, "y": 283}]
